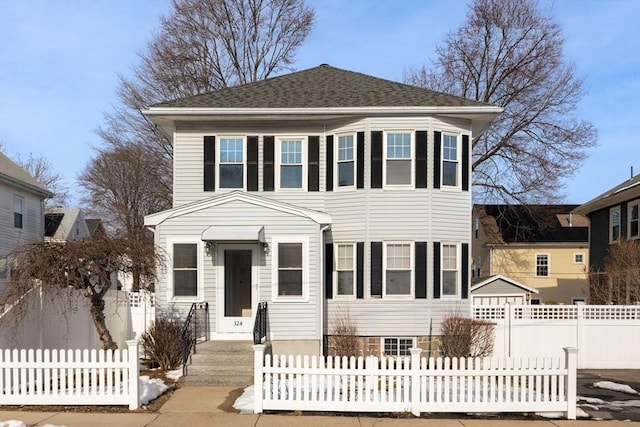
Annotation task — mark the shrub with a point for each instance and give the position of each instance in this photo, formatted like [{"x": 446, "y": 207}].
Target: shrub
[
  {"x": 466, "y": 337},
  {"x": 162, "y": 343},
  {"x": 344, "y": 334}
]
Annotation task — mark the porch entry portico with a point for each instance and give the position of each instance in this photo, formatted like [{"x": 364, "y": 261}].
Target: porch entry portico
[{"x": 237, "y": 257}]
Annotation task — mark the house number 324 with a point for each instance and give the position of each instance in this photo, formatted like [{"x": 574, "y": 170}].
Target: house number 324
[{"x": 237, "y": 323}]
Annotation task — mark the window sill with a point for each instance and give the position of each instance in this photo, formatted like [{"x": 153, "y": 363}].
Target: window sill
[{"x": 289, "y": 300}]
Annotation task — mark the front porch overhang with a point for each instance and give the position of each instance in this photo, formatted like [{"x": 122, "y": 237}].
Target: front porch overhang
[{"x": 224, "y": 233}]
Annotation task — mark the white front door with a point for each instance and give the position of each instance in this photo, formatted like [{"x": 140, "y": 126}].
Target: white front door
[{"x": 237, "y": 289}]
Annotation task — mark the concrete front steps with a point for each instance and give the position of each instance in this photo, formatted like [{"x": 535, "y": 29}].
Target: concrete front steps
[{"x": 221, "y": 363}]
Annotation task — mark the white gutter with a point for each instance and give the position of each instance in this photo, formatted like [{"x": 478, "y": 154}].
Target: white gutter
[{"x": 205, "y": 111}]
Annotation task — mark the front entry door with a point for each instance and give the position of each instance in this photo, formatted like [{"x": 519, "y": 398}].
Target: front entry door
[{"x": 237, "y": 289}]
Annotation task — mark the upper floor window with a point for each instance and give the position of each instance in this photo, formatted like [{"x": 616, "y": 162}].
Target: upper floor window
[
  {"x": 345, "y": 265},
  {"x": 634, "y": 219},
  {"x": 450, "y": 160},
  {"x": 450, "y": 270},
  {"x": 398, "y": 162},
  {"x": 291, "y": 163},
  {"x": 185, "y": 269},
  {"x": 232, "y": 163},
  {"x": 18, "y": 211},
  {"x": 542, "y": 265},
  {"x": 397, "y": 270},
  {"x": 578, "y": 258},
  {"x": 614, "y": 224},
  {"x": 346, "y": 161}
]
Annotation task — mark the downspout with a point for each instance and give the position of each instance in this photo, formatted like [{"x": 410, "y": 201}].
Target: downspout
[{"x": 321, "y": 296}]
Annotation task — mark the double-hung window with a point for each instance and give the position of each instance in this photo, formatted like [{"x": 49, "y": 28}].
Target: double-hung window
[
  {"x": 398, "y": 170},
  {"x": 232, "y": 162},
  {"x": 614, "y": 224},
  {"x": 634, "y": 219},
  {"x": 290, "y": 270},
  {"x": 450, "y": 160},
  {"x": 397, "y": 346},
  {"x": 18, "y": 211},
  {"x": 542, "y": 265},
  {"x": 185, "y": 269},
  {"x": 345, "y": 266},
  {"x": 398, "y": 266},
  {"x": 450, "y": 270},
  {"x": 346, "y": 161},
  {"x": 291, "y": 163}
]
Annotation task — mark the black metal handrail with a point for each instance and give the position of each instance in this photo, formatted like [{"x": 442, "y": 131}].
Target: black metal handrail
[
  {"x": 189, "y": 334},
  {"x": 260, "y": 324}
]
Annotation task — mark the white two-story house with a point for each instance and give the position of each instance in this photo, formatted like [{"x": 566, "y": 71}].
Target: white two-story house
[{"x": 323, "y": 192}]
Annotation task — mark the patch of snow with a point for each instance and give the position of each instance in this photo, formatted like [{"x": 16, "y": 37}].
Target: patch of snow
[
  {"x": 244, "y": 403},
  {"x": 626, "y": 403},
  {"x": 150, "y": 389},
  {"x": 16, "y": 423},
  {"x": 609, "y": 385},
  {"x": 579, "y": 414},
  {"x": 593, "y": 400},
  {"x": 175, "y": 374}
]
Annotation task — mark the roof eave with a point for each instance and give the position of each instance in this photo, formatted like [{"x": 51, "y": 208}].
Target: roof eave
[{"x": 32, "y": 188}]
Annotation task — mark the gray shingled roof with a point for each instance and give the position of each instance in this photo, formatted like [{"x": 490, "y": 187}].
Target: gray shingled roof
[
  {"x": 11, "y": 172},
  {"x": 321, "y": 87}
]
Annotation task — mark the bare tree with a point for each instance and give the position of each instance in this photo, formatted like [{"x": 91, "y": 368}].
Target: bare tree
[
  {"x": 42, "y": 171},
  {"x": 84, "y": 265},
  {"x": 202, "y": 45},
  {"x": 466, "y": 337},
  {"x": 510, "y": 54},
  {"x": 619, "y": 281}
]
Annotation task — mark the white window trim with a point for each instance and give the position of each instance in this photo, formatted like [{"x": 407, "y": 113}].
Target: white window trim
[
  {"x": 577, "y": 254},
  {"x": 244, "y": 161},
  {"x": 458, "y": 186},
  {"x": 16, "y": 198},
  {"x": 335, "y": 273},
  {"x": 382, "y": 353},
  {"x": 411, "y": 294},
  {"x": 458, "y": 294},
  {"x": 535, "y": 264},
  {"x": 336, "y": 172},
  {"x": 278, "y": 161},
  {"x": 630, "y": 205},
  {"x": 412, "y": 158},
  {"x": 200, "y": 281},
  {"x": 276, "y": 240},
  {"x": 611, "y": 213}
]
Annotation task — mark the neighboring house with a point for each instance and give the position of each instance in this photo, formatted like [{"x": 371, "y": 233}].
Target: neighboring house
[
  {"x": 96, "y": 227},
  {"x": 613, "y": 215},
  {"x": 21, "y": 211},
  {"x": 499, "y": 289},
  {"x": 64, "y": 224},
  {"x": 323, "y": 192},
  {"x": 541, "y": 246}
]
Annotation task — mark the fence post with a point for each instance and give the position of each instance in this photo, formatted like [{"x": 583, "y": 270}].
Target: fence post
[
  {"x": 415, "y": 380},
  {"x": 134, "y": 374},
  {"x": 258, "y": 363},
  {"x": 571, "y": 362},
  {"x": 579, "y": 330},
  {"x": 508, "y": 312}
]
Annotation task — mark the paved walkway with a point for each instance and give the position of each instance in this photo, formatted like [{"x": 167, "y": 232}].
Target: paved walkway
[{"x": 209, "y": 406}]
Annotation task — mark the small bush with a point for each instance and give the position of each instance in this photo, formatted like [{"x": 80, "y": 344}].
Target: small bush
[
  {"x": 162, "y": 343},
  {"x": 466, "y": 337},
  {"x": 344, "y": 335}
]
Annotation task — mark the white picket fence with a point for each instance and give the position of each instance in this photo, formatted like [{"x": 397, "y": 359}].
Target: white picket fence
[
  {"x": 605, "y": 334},
  {"x": 414, "y": 384},
  {"x": 70, "y": 377}
]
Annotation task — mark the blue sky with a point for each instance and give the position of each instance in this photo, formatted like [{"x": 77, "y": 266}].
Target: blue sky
[{"x": 59, "y": 62}]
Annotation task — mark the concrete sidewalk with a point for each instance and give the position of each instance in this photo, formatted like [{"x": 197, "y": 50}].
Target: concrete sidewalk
[{"x": 210, "y": 406}]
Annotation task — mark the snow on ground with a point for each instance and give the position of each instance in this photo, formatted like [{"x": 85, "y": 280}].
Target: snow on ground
[
  {"x": 609, "y": 385},
  {"x": 244, "y": 403},
  {"x": 16, "y": 423}
]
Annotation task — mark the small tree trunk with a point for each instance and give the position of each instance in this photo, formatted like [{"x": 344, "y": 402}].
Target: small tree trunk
[{"x": 97, "y": 314}]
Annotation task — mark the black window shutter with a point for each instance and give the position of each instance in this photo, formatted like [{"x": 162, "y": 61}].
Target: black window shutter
[
  {"x": 313, "y": 167},
  {"x": 465, "y": 270},
  {"x": 360, "y": 270},
  {"x": 252, "y": 163},
  {"x": 376, "y": 269},
  {"x": 360, "y": 160},
  {"x": 436, "y": 269},
  {"x": 437, "y": 143},
  {"x": 267, "y": 160},
  {"x": 421, "y": 159},
  {"x": 465, "y": 162},
  {"x": 209, "y": 163},
  {"x": 329, "y": 177},
  {"x": 421, "y": 269},
  {"x": 328, "y": 270},
  {"x": 376, "y": 159}
]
